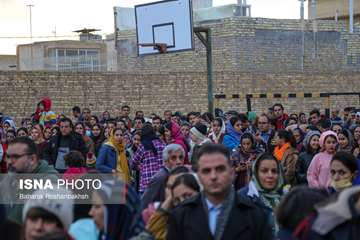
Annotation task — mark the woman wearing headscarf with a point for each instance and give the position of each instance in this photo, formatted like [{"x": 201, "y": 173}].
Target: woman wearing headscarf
[
  {"x": 148, "y": 157},
  {"x": 233, "y": 133},
  {"x": 346, "y": 141},
  {"x": 265, "y": 187},
  {"x": 242, "y": 158},
  {"x": 177, "y": 137},
  {"x": 311, "y": 147},
  {"x": 218, "y": 130},
  {"x": 112, "y": 156},
  {"x": 116, "y": 211}
]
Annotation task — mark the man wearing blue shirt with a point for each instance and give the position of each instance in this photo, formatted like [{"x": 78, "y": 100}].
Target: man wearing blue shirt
[{"x": 218, "y": 212}]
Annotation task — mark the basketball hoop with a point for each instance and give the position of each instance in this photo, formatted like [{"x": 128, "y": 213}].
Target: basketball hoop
[{"x": 161, "y": 47}]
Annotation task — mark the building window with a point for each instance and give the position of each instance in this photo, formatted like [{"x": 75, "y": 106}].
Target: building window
[{"x": 74, "y": 60}]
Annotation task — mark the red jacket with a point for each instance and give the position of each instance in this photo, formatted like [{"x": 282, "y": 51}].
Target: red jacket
[{"x": 280, "y": 122}]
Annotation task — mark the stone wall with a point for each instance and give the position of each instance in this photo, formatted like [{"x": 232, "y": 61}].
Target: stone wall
[{"x": 21, "y": 91}]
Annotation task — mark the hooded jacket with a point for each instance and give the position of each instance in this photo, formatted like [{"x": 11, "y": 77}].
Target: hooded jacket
[
  {"x": 318, "y": 174},
  {"x": 339, "y": 220},
  {"x": 232, "y": 137},
  {"x": 305, "y": 158},
  {"x": 44, "y": 117}
]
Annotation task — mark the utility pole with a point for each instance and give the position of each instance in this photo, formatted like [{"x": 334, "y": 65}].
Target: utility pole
[
  {"x": 30, "y": 6},
  {"x": 351, "y": 16},
  {"x": 31, "y": 35},
  {"x": 302, "y": 16}
]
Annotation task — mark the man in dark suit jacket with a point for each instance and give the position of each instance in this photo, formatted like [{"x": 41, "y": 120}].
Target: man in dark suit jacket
[
  {"x": 218, "y": 212},
  {"x": 173, "y": 156}
]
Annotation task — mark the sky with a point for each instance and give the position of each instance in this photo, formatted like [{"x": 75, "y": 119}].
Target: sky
[{"x": 64, "y": 16}]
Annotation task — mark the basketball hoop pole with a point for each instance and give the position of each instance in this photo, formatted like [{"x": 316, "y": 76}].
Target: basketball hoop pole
[{"x": 206, "y": 41}]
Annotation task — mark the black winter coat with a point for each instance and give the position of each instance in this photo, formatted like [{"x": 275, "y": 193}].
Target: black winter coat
[
  {"x": 246, "y": 221},
  {"x": 302, "y": 166},
  {"x": 51, "y": 150}
]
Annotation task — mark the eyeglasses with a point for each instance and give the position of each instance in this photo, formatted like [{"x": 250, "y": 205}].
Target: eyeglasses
[{"x": 17, "y": 156}]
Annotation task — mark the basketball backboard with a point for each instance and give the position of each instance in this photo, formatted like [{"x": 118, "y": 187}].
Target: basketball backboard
[{"x": 166, "y": 22}]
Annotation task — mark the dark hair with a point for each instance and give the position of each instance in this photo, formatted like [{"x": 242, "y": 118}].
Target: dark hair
[
  {"x": 30, "y": 144},
  {"x": 287, "y": 136},
  {"x": 121, "y": 120},
  {"x": 22, "y": 129},
  {"x": 125, "y": 106},
  {"x": 76, "y": 109},
  {"x": 212, "y": 148},
  {"x": 315, "y": 111},
  {"x": 175, "y": 171},
  {"x": 278, "y": 105},
  {"x": 188, "y": 180},
  {"x": 147, "y": 136},
  {"x": 219, "y": 120},
  {"x": 139, "y": 118},
  {"x": 86, "y": 109},
  {"x": 347, "y": 159},
  {"x": 233, "y": 120},
  {"x": 262, "y": 157},
  {"x": 157, "y": 118},
  {"x": 137, "y": 112},
  {"x": 65, "y": 119},
  {"x": 11, "y": 130},
  {"x": 325, "y": 123},
  {"x": 248, "y": 136},
  {"x": 298, "y": 204},
  {"x": 208, "y": 117},
  {"x": 346, "y": 133},
  {"x": 74, "y": 159},
  {"x": 40, "y": 213},
  {"x": 242, "y": 117},
  {"x": 96, "y": 118}
]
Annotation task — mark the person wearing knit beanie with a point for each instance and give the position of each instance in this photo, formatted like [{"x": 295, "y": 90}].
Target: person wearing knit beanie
[
  {"x": 198, "y": 135},
  {"x": 56, "y": 214}
]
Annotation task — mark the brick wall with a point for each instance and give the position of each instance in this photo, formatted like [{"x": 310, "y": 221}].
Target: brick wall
[
  {"x": 21, "y": 91},
  {"x": 256, "y": 45}
]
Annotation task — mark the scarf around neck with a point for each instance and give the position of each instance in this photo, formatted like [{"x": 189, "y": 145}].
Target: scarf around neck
[
  {"x": 280, "y": 151},
  {"x": 122, "y": 167}
]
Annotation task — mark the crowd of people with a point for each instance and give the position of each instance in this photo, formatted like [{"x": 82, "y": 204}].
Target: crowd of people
[{"x": 226, "y": 175}]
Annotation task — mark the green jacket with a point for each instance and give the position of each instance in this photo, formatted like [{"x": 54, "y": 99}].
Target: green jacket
[{"x": 14, "y": 211}]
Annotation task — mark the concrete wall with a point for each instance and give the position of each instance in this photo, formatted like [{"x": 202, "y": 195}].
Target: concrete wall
[
  {"x": 7, "y": 62},
  {"x": 21, "y": 91},
  {"x": 40, "y": 52},
  {"x": 327, "y": 8}
]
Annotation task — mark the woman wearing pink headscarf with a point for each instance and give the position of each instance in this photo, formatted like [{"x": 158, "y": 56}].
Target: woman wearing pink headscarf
[{"x": 318, "y": 174}]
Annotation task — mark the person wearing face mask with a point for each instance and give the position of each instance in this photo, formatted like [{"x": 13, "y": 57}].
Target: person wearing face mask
[
  {"x": 343, "y": 171},
  {"x": 318, "y": 174},
  {"x": 242, "y": 158},
  {"x": 80, "y": 129},
  {"x": 113, "y": 157}
]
